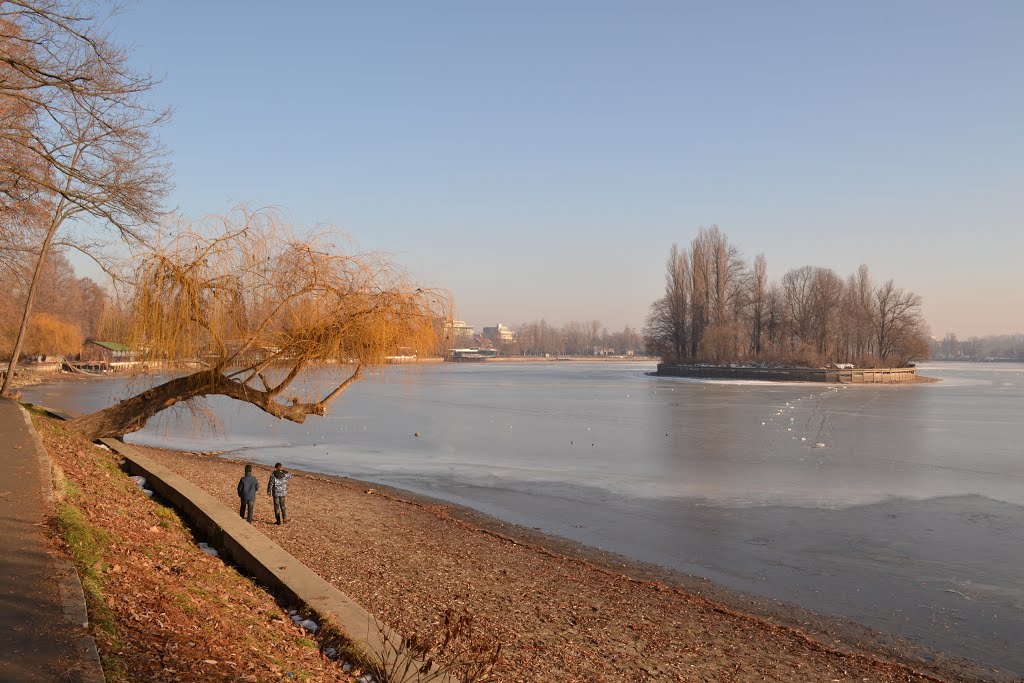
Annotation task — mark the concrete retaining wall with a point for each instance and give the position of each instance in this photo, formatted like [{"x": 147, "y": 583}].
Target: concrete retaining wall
[
  {"x": 268, "y": 562},
  {"x": 831, "y": 375}
]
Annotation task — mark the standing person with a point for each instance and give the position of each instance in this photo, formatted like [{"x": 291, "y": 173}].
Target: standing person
[
  {"x": 247, "y": 488},
  {"x": 278, "y": 488}
]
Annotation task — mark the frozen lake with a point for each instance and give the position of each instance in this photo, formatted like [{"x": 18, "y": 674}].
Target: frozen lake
[{"x": 900, "y": 507}]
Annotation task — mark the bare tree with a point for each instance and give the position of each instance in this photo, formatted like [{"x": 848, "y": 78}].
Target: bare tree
[
  {"x": 700, "y": 291},
  {"x": 529, "y": 343},
  {"x": 858, "y": 312},
  {"x": 758, "y": 299},
  {"x": 539, "y": 338},
  {"x": 260, "y": 306},
  {"x": 597, "y": 331},
  {"x": 899, "y": 329},
  {"x": 92, "y": 308},
  {"x": 717, "y": 270},
  {"x": 797, "y": 290},
  {"x": 577, "y": 337},
  {"x": 726, "y": 270},
  {"x": 826, "y": 307},
  {"x": 626, "y": 342},
  {"x": 88, "y": 146},
  {"x": 775, "y": 319},
  {"x": 23, "y": 207},
  {"x": 668, "y": 322},
  {"x": 950, "y": 346}
]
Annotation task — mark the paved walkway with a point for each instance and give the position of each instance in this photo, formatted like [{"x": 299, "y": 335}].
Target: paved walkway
[{"x": 42, "y": 633}]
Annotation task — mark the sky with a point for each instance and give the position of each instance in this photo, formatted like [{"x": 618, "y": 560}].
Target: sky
[{"x": 538, "y": 159}]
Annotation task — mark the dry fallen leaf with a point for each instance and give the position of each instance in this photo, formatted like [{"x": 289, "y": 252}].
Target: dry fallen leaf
[{"x": 409, "y": 563}]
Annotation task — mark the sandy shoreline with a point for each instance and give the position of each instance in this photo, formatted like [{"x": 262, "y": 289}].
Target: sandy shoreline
[{"x": 563, "y": 611}]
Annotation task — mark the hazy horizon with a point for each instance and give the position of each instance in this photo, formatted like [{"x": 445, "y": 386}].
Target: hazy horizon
[{"x": 539, "y": 160}]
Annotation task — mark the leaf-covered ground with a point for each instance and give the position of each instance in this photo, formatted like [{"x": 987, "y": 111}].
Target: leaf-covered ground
[
  {"x": 161, "y": 609},
  {"x": 562, "y": 613}
]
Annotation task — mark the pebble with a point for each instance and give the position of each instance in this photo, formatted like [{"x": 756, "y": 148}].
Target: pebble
[
  {"x": 347, "y": 667},
  {"x": 140, "y": 481},
  {"x": 309, "y": 625},
  {"x": 148, "y": 493},
  {"x": 330, "y": 653}
]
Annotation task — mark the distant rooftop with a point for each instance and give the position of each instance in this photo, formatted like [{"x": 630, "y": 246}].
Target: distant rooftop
[{"x": 111, "y": 346}]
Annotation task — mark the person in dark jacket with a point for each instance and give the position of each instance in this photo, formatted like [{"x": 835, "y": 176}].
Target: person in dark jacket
[
  {"x": 247, "y": 488},
  {"x": 278, "y": 488}
]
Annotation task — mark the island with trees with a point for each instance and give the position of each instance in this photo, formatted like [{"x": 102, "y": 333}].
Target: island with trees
[{"x": 721, "y": 317}]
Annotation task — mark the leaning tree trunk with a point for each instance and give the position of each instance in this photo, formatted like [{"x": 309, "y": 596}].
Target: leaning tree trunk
[
  {"x": 131, "y": 415},
  {"x": 26, "y": 315}
]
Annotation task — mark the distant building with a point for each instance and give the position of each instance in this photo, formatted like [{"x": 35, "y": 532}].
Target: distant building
[
  {"x": 43, "y": 363},
  {"x": 470, "y": 355},
  {"x": 460, "y": 334},
  {"x": 499, "y": 333},
  {"x": 111, "y": 352}
]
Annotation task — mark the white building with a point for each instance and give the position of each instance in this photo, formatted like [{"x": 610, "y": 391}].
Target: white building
[
  {"x": 460, "y": 334},
  {"x": 499, "y": 333}
]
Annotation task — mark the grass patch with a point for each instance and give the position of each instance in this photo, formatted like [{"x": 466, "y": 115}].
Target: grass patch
[
  {"x": 166, "y": 517},
  {"x": 86, "y": 543},
  {"x": 111, "y": 467},
  {"x": 199, "y": 591},
  {"x": 185, "y": 604},
  {"x": 70, "y": 490},
  {"x": 114, "y": 669}
]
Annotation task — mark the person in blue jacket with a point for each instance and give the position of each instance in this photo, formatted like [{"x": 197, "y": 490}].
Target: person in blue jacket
[{"x": 248, "y": 485}]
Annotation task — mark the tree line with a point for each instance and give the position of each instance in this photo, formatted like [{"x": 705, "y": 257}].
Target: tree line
[
  {"x": 574, "y": 338},
  {"x": 68, "y": 311},
  {"x": 989, "y": 347},
  {"x": 718, "y": 308}
]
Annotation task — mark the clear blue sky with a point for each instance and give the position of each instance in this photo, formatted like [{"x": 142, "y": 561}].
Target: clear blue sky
[{"x": 538, "y": 159}]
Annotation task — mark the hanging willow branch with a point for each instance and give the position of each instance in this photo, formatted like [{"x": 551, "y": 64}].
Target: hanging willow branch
[{"x": 255, "y": 305}]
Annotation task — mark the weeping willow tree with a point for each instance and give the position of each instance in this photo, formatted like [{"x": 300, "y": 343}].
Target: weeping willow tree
[
  {"x": 48, "y": 335},
  {"x": 254, "y": 304}
]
